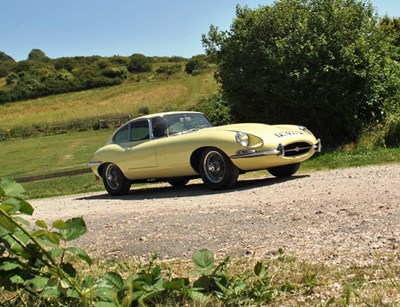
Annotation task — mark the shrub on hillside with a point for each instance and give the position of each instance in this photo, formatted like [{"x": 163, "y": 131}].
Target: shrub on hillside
[{"x": 139, "y": 63}]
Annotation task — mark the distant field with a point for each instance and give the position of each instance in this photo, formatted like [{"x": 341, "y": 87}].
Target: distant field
[
  {"x": 181, "y": 92},
  {"x": 43, "y": 155}
]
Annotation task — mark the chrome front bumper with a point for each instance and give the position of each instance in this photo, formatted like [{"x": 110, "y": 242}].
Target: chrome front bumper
[
  {"x": 94, "y": 163},
  {"x": 279, "y": 151}
]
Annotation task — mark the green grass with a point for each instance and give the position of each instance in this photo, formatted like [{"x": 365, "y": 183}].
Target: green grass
[
  {"x": 43, "y": 155},
  {"x": 352, "y": 157}
]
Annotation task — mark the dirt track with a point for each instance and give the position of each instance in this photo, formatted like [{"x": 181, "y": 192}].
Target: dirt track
[{"x": 334, "y": 216}]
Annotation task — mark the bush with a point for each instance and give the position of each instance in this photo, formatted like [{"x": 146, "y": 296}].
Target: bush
[
  {"x": 139, "y": 63},
  {"x": 196, "y": 63},
  {"x": 323, "y": 64},
  {"x": 216, "y": 109}
]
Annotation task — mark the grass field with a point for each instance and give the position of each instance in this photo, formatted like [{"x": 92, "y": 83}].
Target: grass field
[{"x": 181, "y": 92}]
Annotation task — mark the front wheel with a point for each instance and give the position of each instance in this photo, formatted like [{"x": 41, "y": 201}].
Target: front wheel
[
  {"x": 284, "y": 170},
  {"x": 115, "y": 181},
  {"x": 217, "y": 170}
]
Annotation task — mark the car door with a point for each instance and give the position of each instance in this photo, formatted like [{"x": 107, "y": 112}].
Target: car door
[{"x": 139, "y": 150}]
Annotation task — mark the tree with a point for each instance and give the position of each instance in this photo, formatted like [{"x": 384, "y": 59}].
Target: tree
[
  {"x": 5, "y": 57},
  {"x": 322, "y": 63},
  {"x": 139, "y": 63},
  {"x": 37, "y": 55},
  {"x": 7, "y": 64},
  {"x": 197, "y": 62},
  {"x": 391, "y": 29}
]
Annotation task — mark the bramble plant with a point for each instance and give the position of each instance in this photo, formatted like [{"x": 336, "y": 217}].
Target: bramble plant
[
  {"x": 34, "y": 261},
  {"x": 36, "y": 267}
]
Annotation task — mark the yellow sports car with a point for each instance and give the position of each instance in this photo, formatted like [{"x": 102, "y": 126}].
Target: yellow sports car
[{"x": 178, "y": 146}]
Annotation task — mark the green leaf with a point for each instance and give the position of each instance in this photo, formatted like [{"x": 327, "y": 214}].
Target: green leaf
[
  {"x": 10, "y": 264},
  {"x": 11, "y": 188},
  {"x": 50, "y": 292},
  {"x": 203, "y": 259},
  {"x": 260, "y": 270},
  {"x": 17, "y": 279},
  {"x": 105, "y": 294},
  {"x": 25, "y": 207},
  {"x": 203, "y": 282},
  {"x": 39, "y": 282},
  {"x": 76, "y": 227},
  {"x": 56, "y": 252},
  {"x": 60, "y": 225},
  {"x": 114, "y": 279},
  {"x": 176, "y": 284},
  {"x": 6, "y": 208},
  {"x": 81, "y": 253},
  {"x": 41, "y": 224},
  {"x": 7, "y": 225},
  {"x": 70, "y": 270},
  {"x": 50, "y": 239}
]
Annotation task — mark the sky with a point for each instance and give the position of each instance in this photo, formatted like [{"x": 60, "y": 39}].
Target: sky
[{"x": 64, "y": 28}]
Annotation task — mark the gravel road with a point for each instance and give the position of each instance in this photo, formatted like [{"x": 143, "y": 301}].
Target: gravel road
[{"x": 338, "y": 216}]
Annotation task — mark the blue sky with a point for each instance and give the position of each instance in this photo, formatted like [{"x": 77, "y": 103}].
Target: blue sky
[{"x": 121, "y": 27}]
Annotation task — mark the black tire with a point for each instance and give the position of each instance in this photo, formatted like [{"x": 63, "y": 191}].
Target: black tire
[
  {"x": 178, "y": 182},
  {"x": 284, "y": 171},
  {"x": 114, "y": 180},
  {"x": 217, "y": 170}
]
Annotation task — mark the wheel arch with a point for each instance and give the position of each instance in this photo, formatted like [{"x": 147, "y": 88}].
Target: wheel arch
[{"x": 196, "y": 155}]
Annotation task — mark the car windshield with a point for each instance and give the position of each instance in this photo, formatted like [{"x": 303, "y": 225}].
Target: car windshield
[{"x": 180, "y": 123}]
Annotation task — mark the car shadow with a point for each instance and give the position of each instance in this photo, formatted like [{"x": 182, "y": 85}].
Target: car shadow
[{"x": 191, "y": 190}]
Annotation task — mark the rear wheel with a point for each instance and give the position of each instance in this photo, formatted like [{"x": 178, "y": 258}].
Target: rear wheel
[
  {"x": 114, "y": 180},
  {"x": 217, "y": 170},
  {"x": 284, "y": 170}
]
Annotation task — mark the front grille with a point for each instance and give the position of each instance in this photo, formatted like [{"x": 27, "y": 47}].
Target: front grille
[{"x": 297, "y": 149}]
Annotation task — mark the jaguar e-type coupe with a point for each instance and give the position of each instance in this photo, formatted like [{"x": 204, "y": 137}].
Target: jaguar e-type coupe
[{"x": 178, "y": 146}]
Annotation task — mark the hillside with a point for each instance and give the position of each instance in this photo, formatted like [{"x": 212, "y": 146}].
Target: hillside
[{"x": 143, "y": 91}]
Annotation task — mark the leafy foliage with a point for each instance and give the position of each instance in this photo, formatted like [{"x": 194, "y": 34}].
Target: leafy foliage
[
  {"x": 34, "y": 264},
  {"x": 196, "y": 63},
  {"x": 139, "y": 63},
  {"x": 216, "y": 108},
  {"x": 40, "y": 76},
  {"x": 321, "y": 63}
]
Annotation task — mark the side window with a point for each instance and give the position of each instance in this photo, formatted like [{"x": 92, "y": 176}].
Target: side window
[
  {"x": 139, "y": 130},
  {"x": 159, "y": 125},
  {"x": 122, "y": 135}
]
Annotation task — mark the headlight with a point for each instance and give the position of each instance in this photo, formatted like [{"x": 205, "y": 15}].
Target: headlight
[
  {"x": 242, "y": 138},
  {"x": 302, "y": 128}
]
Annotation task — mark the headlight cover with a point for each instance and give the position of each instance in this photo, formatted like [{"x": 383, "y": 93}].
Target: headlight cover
[
  {"x": 305, "y": 129},
  {"x": 242, "y": 138}
]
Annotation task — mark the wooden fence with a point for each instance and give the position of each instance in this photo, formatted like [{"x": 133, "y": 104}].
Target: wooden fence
[{"x": 54, "y": 175}]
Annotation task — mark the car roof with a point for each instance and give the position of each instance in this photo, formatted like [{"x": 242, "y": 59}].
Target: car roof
[{"x": 165, "y": 113}]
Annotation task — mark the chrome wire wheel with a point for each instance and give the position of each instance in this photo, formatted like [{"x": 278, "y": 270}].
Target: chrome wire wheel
[
  {"x": 214, "y": 166},
  {"x": 114, "y": 180},
  {"x": 112, "y": 177},
  {"x": 217, "y": 170}
]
